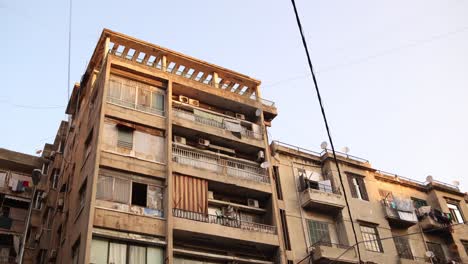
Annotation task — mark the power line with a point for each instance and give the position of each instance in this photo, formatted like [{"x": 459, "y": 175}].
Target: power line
[
  {"x": 373, "y": 56},
  {"x": 392, "y": 237},
  {"x": 69, "y": 47},
  {"x": 304, "y": 43}
]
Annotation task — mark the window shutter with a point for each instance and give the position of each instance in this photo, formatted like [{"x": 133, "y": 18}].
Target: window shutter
[
  {"x": 351, "y": 186},
  {"x": 362, "y": 187},
  {"x": 125, "y": 138}
]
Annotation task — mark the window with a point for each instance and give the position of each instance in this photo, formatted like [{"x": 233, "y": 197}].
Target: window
[
  {"x": 76, "y": 252},
  {"x": 119, "y": 252},
  {"x": 37, "y": 201},
  {"x": 284, "y": 225},
  {"x": 279, "y": 191},
  {"x": 319, "y": 232},
  {"x": 357, "y": 186},
  {"x": 139, "y": 194},
  {"x": 119, "y": 190},
  {"x": 125, "y": 137},
  {"x": 88, "y": 146},
  {"x": 439, "y": 256},
  {"x": 465, "y": 245},
  {"x": 418, "y": 202},
  {"x": 455, "y": 214},
  {"x": 55, "y": 179},
  {"x": 371, "y": 238},
  {"x": 403, "y": 247},
  {"x": 136, "y": 95},
  {"x": 3, "y": 177},
  {"x": 82, "y": 195},
  {"x": 134, "y": 140}
]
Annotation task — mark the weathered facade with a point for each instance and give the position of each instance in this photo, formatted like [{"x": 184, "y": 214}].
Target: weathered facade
[
  {"x": 165, "y": 159},
  {"x": 16, "y": 192},
  {"x": 397, "y": 220}
]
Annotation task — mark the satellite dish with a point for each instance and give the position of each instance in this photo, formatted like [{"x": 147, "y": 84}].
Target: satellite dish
[
  {"x": 324, "y": 145},
  {"x": 429, "y": 178},
  {"x": 258, "y": 112},
  {"x": 430, "y": 254},
  {"x": 265, "y": 164},
  {"x": 345, "y": 150},
  {"x": 456, "y": 183},
  {"x": 39, "y": 151}
]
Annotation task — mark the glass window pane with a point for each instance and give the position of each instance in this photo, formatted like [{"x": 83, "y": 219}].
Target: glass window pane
[
  {"x": 158, "y": 101},
  {"x": 104, "y": 188},
  {"x": 121, "y": 191},
  {"x": 154, "y": 255},
  {"x": 98, "y": 251},
  {"x": 114, "y": 89},
  {"x": 137, "y": 255},
  {"x": 144, "y": 98},
  {"x": 128, "y": 95},
  {"x": 117, "y": 253}
]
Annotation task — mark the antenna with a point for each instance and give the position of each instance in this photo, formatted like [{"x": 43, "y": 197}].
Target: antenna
[
  {"x": 258, "y": 112},
  {"x": 345, "y": 150},
  {"x": 324, "y": 145},
  {"x": 265, "y": 165}
]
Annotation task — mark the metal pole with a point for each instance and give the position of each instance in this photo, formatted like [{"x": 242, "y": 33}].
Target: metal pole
[{"x": 28, "y": 219}]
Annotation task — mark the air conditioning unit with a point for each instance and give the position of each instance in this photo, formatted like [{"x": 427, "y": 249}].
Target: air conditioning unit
[
  {"x": 53, "y": 254},
  {"x": 194, "y": 102},
  {"x": 204, "y": 142},
  {"x": 252, "y": 203},
  {"x": 260, "y": 155},
  {"x": 180, "y": 140},
  {"x": 240, "y": 116},
  {"x": 184, "y": 99},
  {"x": 210, "y": 195}
]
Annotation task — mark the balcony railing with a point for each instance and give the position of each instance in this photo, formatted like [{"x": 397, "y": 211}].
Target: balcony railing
[
  {"x": 224, "y": 165},
  {"x": 213, "y": 123},
  {"x": 225, "y": 221}
]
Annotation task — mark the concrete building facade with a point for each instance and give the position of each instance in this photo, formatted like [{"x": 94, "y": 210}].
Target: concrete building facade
[
  {"x": 165, "y": 159},
  {"x": 397, "y": 219}
]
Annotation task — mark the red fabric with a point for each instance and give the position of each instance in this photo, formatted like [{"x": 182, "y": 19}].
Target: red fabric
[{"x": 25, "y": 184}]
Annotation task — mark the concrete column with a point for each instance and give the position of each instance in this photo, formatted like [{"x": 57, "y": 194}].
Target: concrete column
[
  {"x": 169, "y": 178},
  {"x": 164, "y": 63},
  {"x": 215, "y": 80}
]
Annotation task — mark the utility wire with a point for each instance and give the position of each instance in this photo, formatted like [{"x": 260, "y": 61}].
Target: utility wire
[
  {"x": 326, "y": 123},
  {"x": 69, "y": 47},
  {"x": 392, "y": 237}
]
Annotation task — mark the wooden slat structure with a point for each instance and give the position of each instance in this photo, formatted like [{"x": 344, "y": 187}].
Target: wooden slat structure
[{"x": 190, "y": 194}]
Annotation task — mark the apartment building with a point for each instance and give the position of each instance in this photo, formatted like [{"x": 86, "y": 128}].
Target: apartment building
[
  {"x": 16, "y": 192},
  {"x": 164, "y": 159},
  {"x": 397, "y": 219}
]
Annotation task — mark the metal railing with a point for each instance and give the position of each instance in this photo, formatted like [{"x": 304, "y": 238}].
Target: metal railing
[
  {"x": 212, "y": 162},
  {"x": 267, "y": 102},
  {"x": 324, "y": 188},
  {"x": 446, "y": 184},
  {"x": 225, "y": 221},
  {"x": 213, "y": 123},
  {"x": 296, "y": 148},
  {"x": 330, "y": 244},
  {"x": 345, "y": 155},
  {"x": 135, "y": 106}
]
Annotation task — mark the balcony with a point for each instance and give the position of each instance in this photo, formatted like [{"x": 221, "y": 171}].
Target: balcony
[
  {"x": 326, "y": 252},
  {"x": 223, "y": 165},
  {"x": 433, "y": 220},
  {"x": 322, "y": 197},
  {"x": 414, "y": 260},
  {"x": 225, "y": 221},
  {"x": 399, "y": 218},
  {"x": 218, "y": 122}
]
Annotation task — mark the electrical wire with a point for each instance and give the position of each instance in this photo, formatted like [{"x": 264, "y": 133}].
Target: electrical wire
[
  {"x": 392, "y": 237},
  {"x": 69, "y": 47},
  {"x": 304, "y": 43}
]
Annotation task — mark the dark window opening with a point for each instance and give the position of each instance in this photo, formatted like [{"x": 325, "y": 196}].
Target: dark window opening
[
  {"x": 284, "y": 225},
  {"x": 279, "y": 190},
  {"x": 139, "y": 194}
]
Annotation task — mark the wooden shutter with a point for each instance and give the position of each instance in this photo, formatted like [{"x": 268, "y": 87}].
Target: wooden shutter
[
  {"x": 190, "y": 194},
  {"x": 351, "y": 186},
  {"x": 362, "y": 187}
]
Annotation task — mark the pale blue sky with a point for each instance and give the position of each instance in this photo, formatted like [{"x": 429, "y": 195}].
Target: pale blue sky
[{"x": 393, "y": 74}]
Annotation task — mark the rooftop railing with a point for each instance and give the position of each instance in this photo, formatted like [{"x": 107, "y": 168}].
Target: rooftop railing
[
  {"x": 213, "y": 123},
  {"x": 225, "y": 221},
  {"x": 219, "y": 164}
]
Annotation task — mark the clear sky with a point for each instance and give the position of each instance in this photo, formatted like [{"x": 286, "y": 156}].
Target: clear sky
[{"x": 393, "y": 74}]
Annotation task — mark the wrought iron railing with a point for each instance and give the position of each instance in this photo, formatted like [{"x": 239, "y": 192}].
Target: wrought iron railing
[
  {"x": 224, "y": 165},
  {"x": 213, "y": 123},
  {"x": 223, "y": 220}
]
